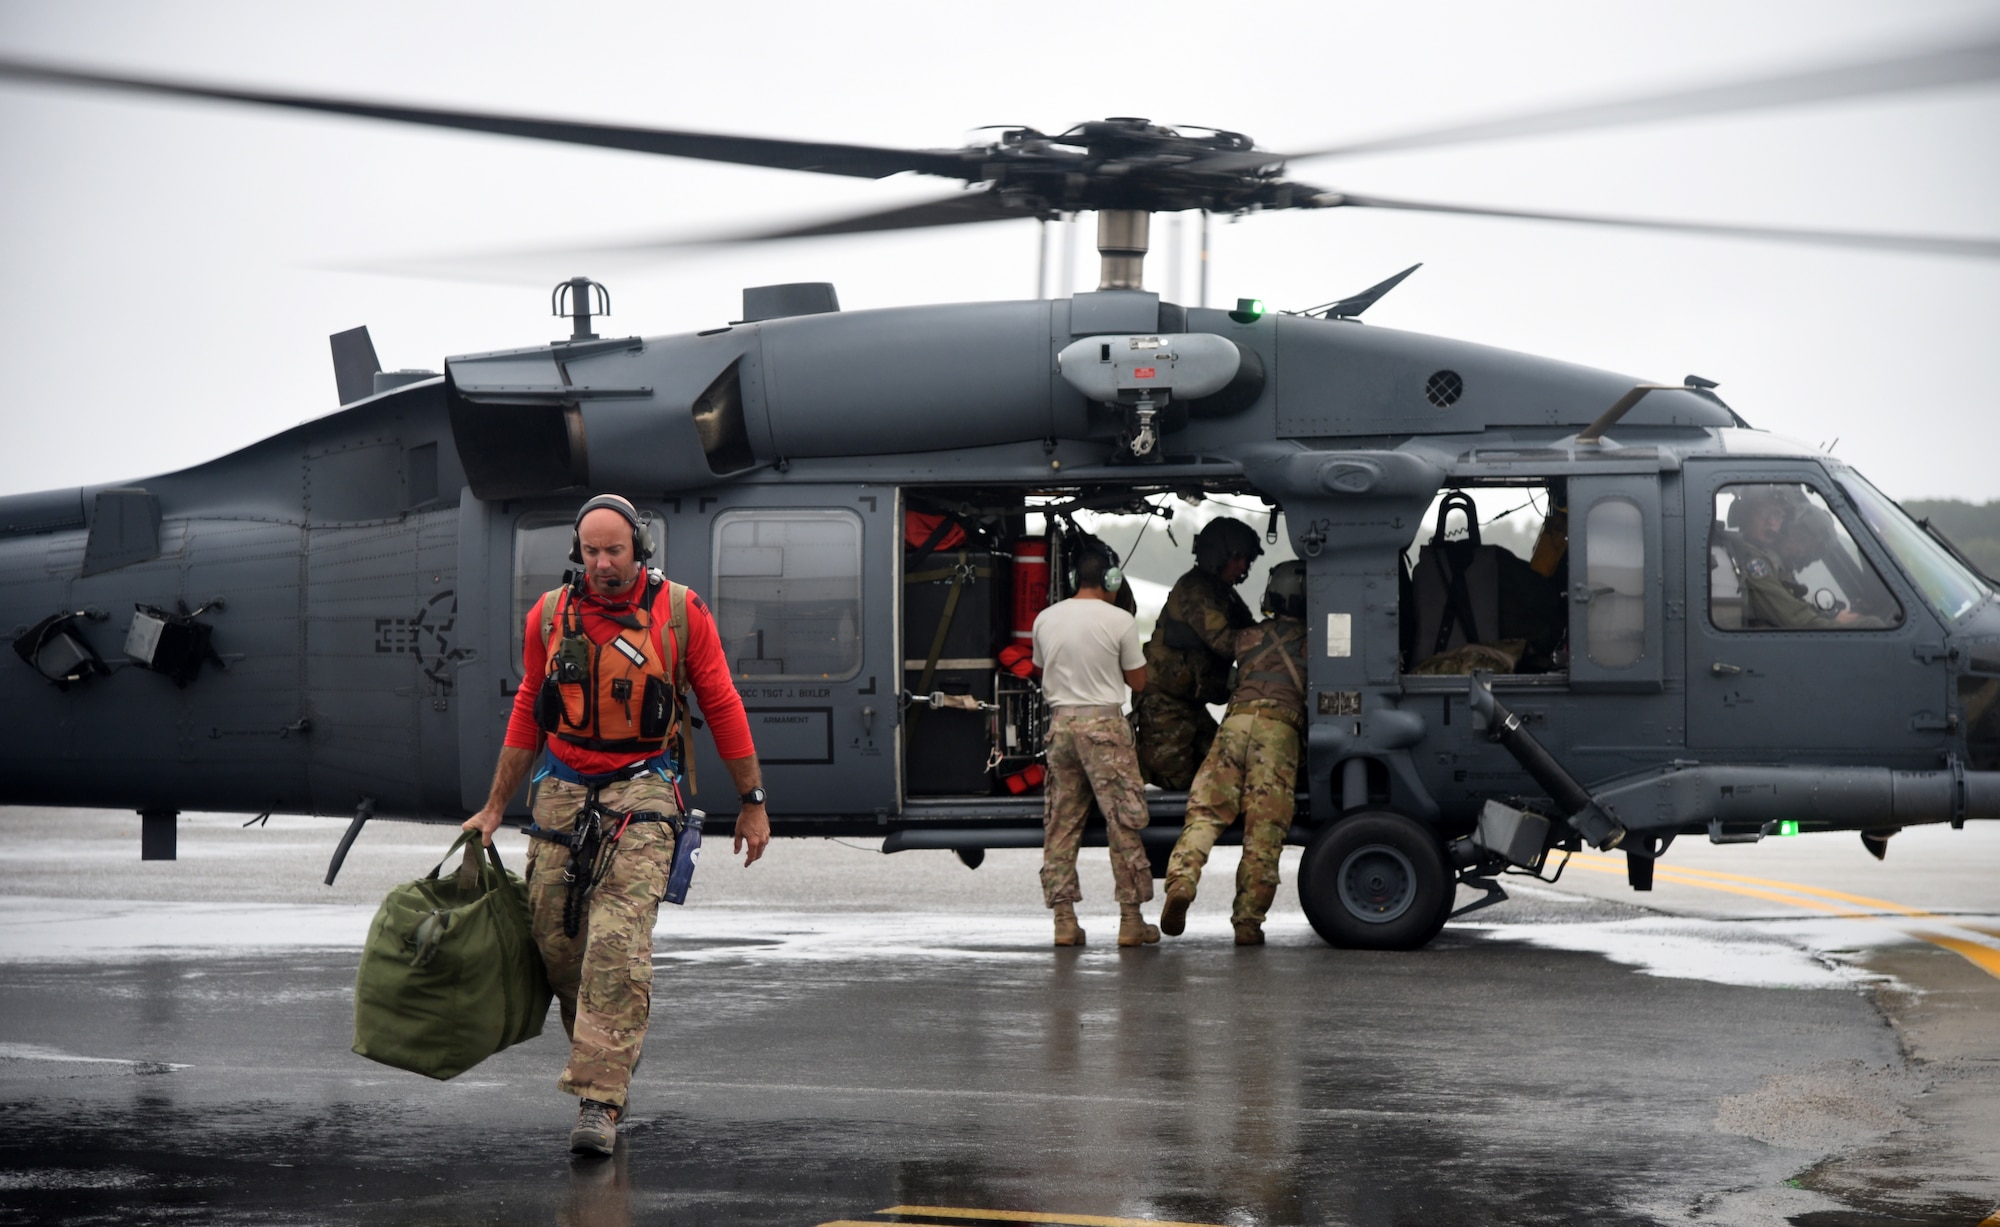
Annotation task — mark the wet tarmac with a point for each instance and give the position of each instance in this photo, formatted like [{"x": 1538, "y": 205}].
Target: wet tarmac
[{"x": 842, "y": 1037}]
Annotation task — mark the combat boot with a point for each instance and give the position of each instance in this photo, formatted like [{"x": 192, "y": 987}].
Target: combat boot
[
  {"x": 1249, "y": 933},
  {"x": 1132, "y": 927},
  {"x": 596, "y": 1131},
  {"x": 1173, "y": 916},
  {"x": 1068, "y": 932}
]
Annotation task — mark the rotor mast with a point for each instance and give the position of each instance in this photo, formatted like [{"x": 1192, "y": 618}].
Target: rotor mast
[{"x": 1121, "y": 248}]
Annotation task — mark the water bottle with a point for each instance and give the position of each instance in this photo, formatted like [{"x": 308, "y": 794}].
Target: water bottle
[{"x": 687, "y": 851}]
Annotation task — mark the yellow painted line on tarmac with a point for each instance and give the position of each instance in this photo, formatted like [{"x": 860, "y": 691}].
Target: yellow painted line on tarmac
[
  {"x": 1664, "y": 874},
  {"x": 1029, "y": 1216},
  {"x": 1986, "y": 958},
  {"x": 1691, "y": 876}
]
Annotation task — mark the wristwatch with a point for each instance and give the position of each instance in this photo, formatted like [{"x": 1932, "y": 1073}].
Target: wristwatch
[{"x": 754, "y": 797}]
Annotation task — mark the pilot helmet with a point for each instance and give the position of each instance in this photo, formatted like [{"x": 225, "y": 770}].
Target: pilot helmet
[
  {"x": 1222, "y": 539},
  {"x": 1285, "y": 592},
  {"x": 1753, "y": 498}
]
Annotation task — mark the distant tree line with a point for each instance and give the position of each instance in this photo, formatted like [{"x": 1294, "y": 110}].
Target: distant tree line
[{"x": 1972, "y": 527}]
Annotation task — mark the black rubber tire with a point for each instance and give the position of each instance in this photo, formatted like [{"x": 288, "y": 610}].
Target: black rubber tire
[{"x": 1396, "y": 891}]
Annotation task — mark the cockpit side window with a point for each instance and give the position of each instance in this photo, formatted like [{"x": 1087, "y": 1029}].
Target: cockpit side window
[{"x": 1780, "y": 560}]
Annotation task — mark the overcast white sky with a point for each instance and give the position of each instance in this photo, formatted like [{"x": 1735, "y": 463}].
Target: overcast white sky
[{"x": 168, "y": 270}]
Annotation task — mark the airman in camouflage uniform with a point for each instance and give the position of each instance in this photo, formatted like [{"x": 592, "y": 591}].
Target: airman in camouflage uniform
[
  {"x": 1772, "y": 523},
  {"x": 1253, "y": 768},
  {"x": 604, "y": 987},
  {"x": 1188, "y": 656},
  {"x": 1090, "y": 756},
  {"x": 1088, "y": 650}
]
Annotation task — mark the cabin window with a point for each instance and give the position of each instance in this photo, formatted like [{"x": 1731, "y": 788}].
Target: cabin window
[
  {"x": 1779, "y": 559},
  {"x": 787, "y": 592},
  {"x": 1615, "y": 544},
  {"x": 541, "y": 555},
  {"x": 1487, "y": 577}
]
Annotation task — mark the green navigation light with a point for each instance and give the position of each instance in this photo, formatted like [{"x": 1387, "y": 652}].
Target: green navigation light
[
  {"x": 1248, "y": 310},
  {"x": 1788, "y": 827}
]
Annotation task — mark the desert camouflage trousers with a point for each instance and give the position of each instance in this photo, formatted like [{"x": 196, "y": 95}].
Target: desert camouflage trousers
[
  {"x": 1173, "y": 741},
  {"x": 602, "y": 977},
  {"x": 1252, "y": 772},
  {"x": 1090, "y": 756}
]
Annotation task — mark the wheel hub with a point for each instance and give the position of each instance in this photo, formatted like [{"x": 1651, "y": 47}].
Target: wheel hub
[{"x": 1377, "y": 883}]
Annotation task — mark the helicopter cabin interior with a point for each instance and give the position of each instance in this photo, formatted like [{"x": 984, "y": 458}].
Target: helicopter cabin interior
[{"x": 809, "y": 597}]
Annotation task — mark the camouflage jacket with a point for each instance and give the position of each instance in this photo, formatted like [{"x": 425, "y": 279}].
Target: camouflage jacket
[
  {"x": 1771, "y": 597},
  {"x": 1271, "y": 664},
  {"x": 1194, "y": 641}
]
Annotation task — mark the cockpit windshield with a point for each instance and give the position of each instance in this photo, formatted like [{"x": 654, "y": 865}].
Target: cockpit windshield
[{"x": 1945, "y": 583}]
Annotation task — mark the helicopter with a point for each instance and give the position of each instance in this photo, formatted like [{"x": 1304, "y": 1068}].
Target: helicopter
[{"x": 875, "y": 503}]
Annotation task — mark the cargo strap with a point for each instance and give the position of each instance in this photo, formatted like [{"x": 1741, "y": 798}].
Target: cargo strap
[
  {"x": 960, "y": 575},
  {"x": 938, "y": 533}
]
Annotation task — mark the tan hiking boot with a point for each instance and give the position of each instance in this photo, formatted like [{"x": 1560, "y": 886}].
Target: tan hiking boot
[
  {"x": 1249, "y": 933},
  {"x": 596, "y": 1131},
  {"x": 1068, "y": 932},
  {"x": 1132, "y": 927},
  {"x": 1173, "y": 917}
]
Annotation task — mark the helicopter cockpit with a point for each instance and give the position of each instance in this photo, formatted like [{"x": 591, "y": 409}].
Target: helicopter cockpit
[{"x": 1780, "y": 559}]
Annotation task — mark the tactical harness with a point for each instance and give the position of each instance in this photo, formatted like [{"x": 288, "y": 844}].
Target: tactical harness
[
  {"x": 1271, "y": 642},
  {"x": 576, "y": 705},
  {"x": 592, "y": 842}
]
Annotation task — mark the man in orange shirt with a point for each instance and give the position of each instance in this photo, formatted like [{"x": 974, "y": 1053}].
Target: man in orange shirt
[{"x": 608, "y": 662}]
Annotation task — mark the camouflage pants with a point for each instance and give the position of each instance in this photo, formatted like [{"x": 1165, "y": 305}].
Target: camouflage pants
[
  {"x": 602, "y": 977},
  {"x": 1174, "y": 736},
  {"x": 1252, "y": 771},
  {"x": 1091, "y": 756}
]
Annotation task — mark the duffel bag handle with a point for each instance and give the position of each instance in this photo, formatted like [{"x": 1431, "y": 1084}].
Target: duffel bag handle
[{"x": 469, "y": 868}]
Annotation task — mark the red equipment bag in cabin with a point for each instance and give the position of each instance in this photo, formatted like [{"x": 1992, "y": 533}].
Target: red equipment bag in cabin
[{"x": 922, "y": 531}]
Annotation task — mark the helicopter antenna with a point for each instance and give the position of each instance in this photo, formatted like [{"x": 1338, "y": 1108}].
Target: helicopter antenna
[
  {"x": 1350, "y": 307},
  {"x": 580, "y": 293}
]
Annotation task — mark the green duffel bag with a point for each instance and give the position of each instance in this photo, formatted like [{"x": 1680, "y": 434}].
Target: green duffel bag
[{"x": 450, "y": 974}]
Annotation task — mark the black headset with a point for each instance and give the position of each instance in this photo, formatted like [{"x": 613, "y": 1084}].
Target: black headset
[{"x": 642, "y": 537}]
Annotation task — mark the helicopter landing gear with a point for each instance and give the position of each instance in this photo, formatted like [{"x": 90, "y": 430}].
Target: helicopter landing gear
[{"x": 1375, "y": 881}]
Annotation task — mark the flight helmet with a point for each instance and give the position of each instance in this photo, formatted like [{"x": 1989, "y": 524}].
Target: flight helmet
[
  {"x": 1222, "y": 539},
  {"x": 1285, "y": 592}
]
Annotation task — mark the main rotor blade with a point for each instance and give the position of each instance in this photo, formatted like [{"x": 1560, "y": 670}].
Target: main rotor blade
[
  {"x": 1984, "y": 249},
  {"x": 962, "y": 209},
  {"x": 1968, "y": 63},
  {"x": 862, "y": 161}
]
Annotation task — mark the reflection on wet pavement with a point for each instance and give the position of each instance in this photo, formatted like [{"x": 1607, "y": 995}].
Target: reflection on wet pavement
[
  {"x": 1558, "y": 1059},
  {"x": 1470, "y": 1083}
]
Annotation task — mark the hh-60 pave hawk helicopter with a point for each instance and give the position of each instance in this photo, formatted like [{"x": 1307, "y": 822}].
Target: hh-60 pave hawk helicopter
[{"x": 1718, "y": 633}]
